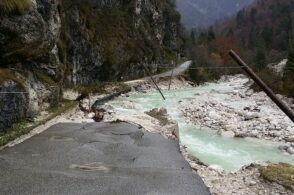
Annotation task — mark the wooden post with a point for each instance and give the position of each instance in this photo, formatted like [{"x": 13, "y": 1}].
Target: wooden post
[{"x": 149, "y": 74}]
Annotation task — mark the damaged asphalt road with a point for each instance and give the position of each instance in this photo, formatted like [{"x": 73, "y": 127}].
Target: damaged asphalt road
[{"x": 97, "y": 158}]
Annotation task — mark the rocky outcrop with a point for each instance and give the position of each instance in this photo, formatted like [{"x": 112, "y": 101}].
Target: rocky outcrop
[
  {"x": 73, "y": 42},
  {"x": 12, "y": 104},
  {"x": 109, "y": 40},
  {"x": 31, "y": 37}
]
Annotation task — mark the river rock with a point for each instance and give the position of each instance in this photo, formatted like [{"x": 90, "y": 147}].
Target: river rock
[
  {"x": 249, "y": 93},
  {"x": 131, "y": 105},
  {"x": 91, "y": 115},
  {"x": 250, "y": 116},
  {"x": 228, "y": 134},
  {"x": 216, "y": 168},
  {"x": 289, "y": 139},
  {"x": 70, "y": 95},
  {"x": 173, "y": 127},
  {"x": 214, "y": 115},
  {"x": 85, "y": 104},
  {"x": 290, "y": 150}
]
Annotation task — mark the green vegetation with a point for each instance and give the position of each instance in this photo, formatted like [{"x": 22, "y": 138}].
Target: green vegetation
[
  {"x": 282, "y": 174},
  {"x": 290, "y": 64},
  {"x": 117, "y": 121},
  {"x": 6, "y": 74},
  {"x": 258, "y": 41},
  {"x": 14, "y": 6},
  {"x": 96, "y": 87},
  {"x": 281, "y": 84},
  {"x": 260, "y": 54},
  {"x": 209, "y": 54},
  {"x": 24, "y": 127},
  {"x": 45, "y": 79},
  {"x": 199, "y": 75},
  {"x": 102, "y": 88}
]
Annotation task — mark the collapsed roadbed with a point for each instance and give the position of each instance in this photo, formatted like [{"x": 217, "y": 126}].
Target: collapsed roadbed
[{"x": 97, "y": 158}]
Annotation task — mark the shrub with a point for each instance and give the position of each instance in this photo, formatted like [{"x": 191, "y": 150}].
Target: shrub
[{"x": 14, "y": 6}]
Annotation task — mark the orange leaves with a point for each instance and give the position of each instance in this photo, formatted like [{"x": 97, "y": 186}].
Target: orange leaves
[{"x": 223, "y": 45}]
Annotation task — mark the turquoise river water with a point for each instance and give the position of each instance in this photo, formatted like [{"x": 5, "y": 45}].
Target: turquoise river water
[{"x": 229, "y": 153}]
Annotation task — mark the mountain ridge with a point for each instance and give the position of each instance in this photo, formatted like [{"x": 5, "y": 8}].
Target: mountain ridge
[{"x": 204, "y": 13}]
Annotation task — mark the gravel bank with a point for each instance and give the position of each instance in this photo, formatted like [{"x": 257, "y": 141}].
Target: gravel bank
[
  {"x": 237, "y": 112},
  {"x": 241, "y": 113}
]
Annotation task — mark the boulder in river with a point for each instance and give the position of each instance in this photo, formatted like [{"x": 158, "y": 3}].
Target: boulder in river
[
  {"x": 131, "y": 105},
  {"x": 250, "y": 116},
  {"x": 228, "y": 134},
  {"x": 290, "y": 150},
  {"x": 290, "y": 139}
]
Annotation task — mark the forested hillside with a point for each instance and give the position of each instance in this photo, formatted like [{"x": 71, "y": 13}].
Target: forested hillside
[
  {"x": 266, "y": 23},
  {"x": 261, "y": 33}
]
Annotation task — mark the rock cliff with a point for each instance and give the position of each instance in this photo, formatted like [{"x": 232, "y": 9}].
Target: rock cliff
[{"x": 46, "y": 45}]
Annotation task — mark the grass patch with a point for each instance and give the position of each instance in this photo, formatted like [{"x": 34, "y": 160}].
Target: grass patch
[
  {"x": 14, "y": 6},
  {"x": 117, "y": 121},
  {"x": 282, "y": 174},
  {"x": 102, "y": 88},
  {"x": 6, "y": 74},
  {"x": 24, "y": 127},
  {"x": 45, "y": 79},
  {"x": 96, "y": 87}
]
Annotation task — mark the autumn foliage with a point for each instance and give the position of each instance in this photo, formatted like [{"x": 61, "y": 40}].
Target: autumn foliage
[{"x": 223, "y": 45}]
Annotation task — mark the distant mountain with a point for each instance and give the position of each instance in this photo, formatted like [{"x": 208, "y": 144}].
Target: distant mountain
[{"x": 204, "y": 13}]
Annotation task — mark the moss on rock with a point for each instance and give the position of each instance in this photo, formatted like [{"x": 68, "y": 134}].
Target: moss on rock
[
  {"x": 12, "y": 6},
  {"x": 45, "y": 79},
  {"x": 282, "y": 174},
  {"x": 6, "y": 74}
]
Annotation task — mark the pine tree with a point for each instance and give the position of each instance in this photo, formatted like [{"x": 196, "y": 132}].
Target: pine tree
[
  {"x": 260, "y": 53},
  {"x": 290, "y": 64},
  {"x": 193, "y": 39},
  {"x": 267, "y": 34},
  {"x": 240, "y": 18},
  {"x": 210, "y": 34}
]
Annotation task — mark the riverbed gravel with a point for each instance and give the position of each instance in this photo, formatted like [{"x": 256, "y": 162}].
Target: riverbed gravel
[
  {"x": 225, "y": 112},
  {"x": 241, "y": 112}
]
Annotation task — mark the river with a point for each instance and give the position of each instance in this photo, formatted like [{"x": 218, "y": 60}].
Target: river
[{"x": 228, "y": 153}]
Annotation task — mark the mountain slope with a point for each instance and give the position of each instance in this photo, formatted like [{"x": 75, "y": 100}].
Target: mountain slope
[
  {"x": 49, "y": 44},
  {"x": 204, "y": 13}
]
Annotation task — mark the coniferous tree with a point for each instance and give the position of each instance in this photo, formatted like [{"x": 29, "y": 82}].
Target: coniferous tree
[
  {"x": 260, "y": 53},
  {"x": 290, "y": 64},
  {"x": 210, "y": 35},
  {"x": 240, "y": 18},
  {"x": 193, "y": 39},
  {"x": 202, "y": 38}
]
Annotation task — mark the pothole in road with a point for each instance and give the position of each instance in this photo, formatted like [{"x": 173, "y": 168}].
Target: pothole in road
[{"x": 96, "y": 166}]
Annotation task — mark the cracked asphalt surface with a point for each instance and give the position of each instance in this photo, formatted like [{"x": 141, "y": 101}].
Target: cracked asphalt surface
[{"x": 97, "y": 158}]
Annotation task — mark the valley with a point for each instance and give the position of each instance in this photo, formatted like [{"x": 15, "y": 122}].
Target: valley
[{"x": 141, "y": 97}]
